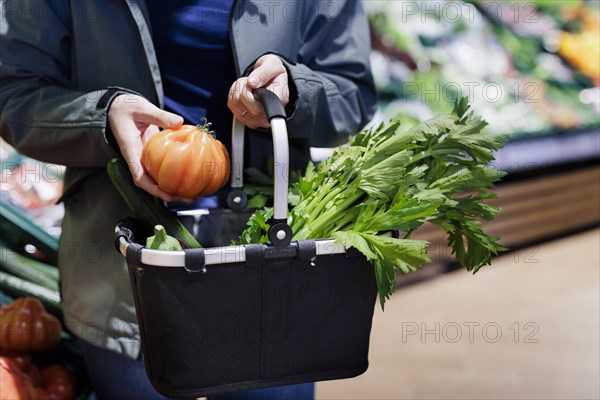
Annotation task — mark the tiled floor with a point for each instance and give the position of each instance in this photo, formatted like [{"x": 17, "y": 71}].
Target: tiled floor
[{"x": 525, "y": 328}]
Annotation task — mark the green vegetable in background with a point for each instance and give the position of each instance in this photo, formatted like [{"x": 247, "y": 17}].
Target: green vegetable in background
[
  {"x": 150, "y": 210},
  {"x": 162, "y": 241},
  {"x": 28, "y": 269},
  {"x": 390, "y": 178}
]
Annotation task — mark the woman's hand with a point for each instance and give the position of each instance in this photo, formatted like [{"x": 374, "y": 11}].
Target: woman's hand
[
  {"x": 133, "y": 120},
  {"x": 268, "y": 72}
]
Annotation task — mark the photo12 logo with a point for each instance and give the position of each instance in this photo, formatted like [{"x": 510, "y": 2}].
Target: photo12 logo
[
  {"x": 471, "y": 332},
  {"x": 489, "y": 92},
  {"x": 437, "y": 11},
  {"x": 455, "y": 11}
]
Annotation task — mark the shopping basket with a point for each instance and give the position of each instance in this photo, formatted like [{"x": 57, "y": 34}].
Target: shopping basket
[{"x": 231, "y": 318}]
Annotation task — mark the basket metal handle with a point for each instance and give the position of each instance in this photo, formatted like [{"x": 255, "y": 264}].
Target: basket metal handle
[{"x": 280, "y": 232}]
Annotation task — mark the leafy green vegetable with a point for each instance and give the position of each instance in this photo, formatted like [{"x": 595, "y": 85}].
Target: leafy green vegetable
[{"x": 394, "y": 179}]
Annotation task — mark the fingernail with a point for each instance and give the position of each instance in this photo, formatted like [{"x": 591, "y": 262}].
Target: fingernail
[
  {"x": 174, "y": 121},
  {"x": 254, "y": 81}
]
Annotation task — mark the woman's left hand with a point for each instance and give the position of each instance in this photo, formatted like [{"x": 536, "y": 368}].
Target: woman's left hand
[{"x": 269, "y": 72}]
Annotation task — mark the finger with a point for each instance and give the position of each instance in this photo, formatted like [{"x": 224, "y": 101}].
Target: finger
[
  {"x": 241, "y": 101},
  {"x": 135, "y": 167},
  {"x": 150, "y": 114},
  {"x": 149, "y": 132},
  {"x": 255, "y": 121},
  {"x": 248, "y": 119},
  {"x": 236, "y": 89},
  {"x": 280, "y": 87},
  {"x": 266, "y": 68},
  {"x": 146, "y": 183},
  {"x": 142, "y": 180},
  {"x": 251, "y": 112},
  {"x": 233, "y": 100},
  {"x": 183, "y": 199},
  {"x": 240, "y": 105},
  {"x": 250, "y": 103}
]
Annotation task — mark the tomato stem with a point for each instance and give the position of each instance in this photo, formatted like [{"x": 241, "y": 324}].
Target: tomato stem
[{"x": 206, "y": 127}]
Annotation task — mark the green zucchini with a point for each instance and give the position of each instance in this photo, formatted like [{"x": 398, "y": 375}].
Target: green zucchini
[
  {"x": 18, "y": 230},
  {"x": 147, "y": 208},
  {"x": 162, "y": 241},
  {"x": 28, "y": 269},
  {"x": 17, "y": 287}
]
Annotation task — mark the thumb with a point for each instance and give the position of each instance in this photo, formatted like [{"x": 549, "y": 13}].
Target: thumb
[{"x": 153, "y": 115}]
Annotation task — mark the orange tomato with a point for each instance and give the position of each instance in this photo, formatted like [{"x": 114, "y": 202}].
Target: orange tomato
[
  {"x": 25, "y": 325},
  {"x": 187, "y": 162},
  {"x": 59, "y": 383}
]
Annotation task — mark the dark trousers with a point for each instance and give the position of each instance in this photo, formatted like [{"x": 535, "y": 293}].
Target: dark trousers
[{"x": 114, "y": 376}]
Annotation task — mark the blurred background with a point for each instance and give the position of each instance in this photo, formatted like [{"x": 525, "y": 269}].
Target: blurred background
[{"x": 528, "y": 326}]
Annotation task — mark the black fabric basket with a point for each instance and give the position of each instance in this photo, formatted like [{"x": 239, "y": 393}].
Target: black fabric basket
[
  {"x": 245, "y": 317},
  {"x": 286, "y": 317}
]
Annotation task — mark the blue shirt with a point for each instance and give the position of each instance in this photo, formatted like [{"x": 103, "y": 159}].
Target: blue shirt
[{"x": 191, "y": 41}]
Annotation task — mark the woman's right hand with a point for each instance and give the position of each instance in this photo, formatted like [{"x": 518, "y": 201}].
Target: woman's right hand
[{"x": 133, "y": 120}]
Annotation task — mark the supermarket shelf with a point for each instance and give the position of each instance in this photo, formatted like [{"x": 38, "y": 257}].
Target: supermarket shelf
[
  {"x": 539, "y": 208},
  {"x": 533, "y": 210},
  {"x": 549, "y": 150}
]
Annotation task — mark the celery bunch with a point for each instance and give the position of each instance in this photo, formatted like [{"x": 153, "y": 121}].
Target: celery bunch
[{"x": 394, "y": 179}]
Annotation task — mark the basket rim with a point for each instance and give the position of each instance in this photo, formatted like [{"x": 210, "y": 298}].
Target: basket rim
[{"x": 217, "y": 255}]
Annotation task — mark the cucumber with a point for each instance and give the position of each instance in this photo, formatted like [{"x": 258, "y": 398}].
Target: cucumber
[
  {"x": 17, "y": 287},
  {"x": 28, "y": 269},
  {"x": 147, "y": 208}
]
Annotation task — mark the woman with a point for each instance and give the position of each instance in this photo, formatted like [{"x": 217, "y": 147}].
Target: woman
[{"x": 84, "y": 82}]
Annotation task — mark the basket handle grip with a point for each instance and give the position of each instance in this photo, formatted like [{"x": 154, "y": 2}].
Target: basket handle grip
[{"x": 271, "y": 103}]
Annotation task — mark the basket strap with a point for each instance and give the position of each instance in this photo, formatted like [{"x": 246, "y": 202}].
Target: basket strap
[
  {"x": 133, "y": 256},
  {"x": 255, "y": 254},
  {"x": 123, "y": 233},
  {"x": 195, "y": 260},
  {"x": 307, "y": 250}
]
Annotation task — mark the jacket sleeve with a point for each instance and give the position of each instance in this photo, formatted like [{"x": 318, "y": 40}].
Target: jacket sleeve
[
  {"x": 335, "y": 92},
  {"x": 40, "y": 114}
]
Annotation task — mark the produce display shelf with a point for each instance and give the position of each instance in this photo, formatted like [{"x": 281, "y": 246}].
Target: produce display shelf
[
  {"x": 549, "y": 150},
  {"x": 534, "y": 209}
]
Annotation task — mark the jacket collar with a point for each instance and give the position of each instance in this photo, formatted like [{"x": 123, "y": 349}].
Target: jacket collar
[{"x": 139, "y": 12}]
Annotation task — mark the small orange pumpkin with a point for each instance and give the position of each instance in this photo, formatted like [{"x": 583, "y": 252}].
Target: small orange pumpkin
[{"x": 187, "y": 162}]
